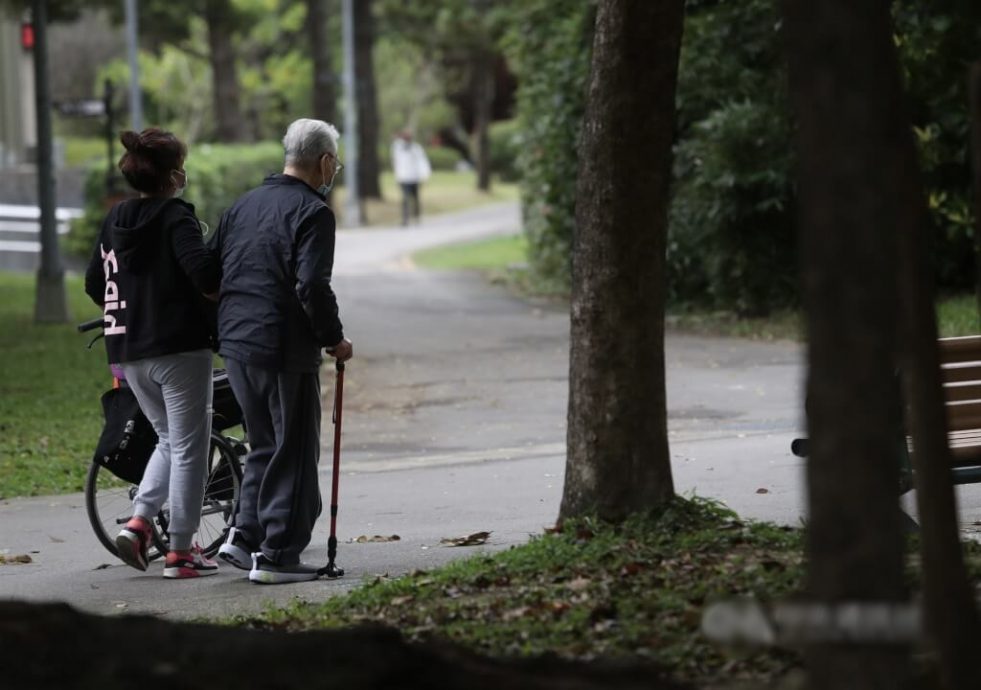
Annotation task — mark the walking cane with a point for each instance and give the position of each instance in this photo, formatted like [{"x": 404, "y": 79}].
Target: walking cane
[{"x": 331, "y": 570}]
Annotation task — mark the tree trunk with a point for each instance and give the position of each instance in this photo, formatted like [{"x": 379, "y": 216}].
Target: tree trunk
[
  {"x": 952, "y": 622},
  {"x": 324, "y": 81},
  {"x": 857, "y": 176},
  {"x": 618, "y": 460},
  {"x": 364, "y": 65},
  {"x": 228, "y": 113},
  {"x": 483, "y": 92}
]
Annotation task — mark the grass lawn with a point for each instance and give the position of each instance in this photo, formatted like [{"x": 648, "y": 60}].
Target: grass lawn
[
  {"x": 445, "y": 191},
  {"x": 495, "y": 254},
  {"x": 50, "y": 416}
]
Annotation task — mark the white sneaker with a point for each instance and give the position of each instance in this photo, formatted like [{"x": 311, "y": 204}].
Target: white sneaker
[
  {"x": 265, "y": 572},
  {"x": 235, "y": 550}
]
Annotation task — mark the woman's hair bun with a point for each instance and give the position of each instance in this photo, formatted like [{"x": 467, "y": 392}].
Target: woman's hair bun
[{"x": 131, "y": 140}]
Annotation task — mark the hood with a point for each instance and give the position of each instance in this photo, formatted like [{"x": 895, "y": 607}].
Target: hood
[{"x": 134, "y": 229}]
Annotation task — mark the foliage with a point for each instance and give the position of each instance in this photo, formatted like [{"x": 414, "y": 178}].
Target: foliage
[
  {"x": 50, "y": 417},
  {"x": 217, "y": 175},
  {"x": 549, "y": 46},
  {"x": 505, "y": 147},
  {"x": 591, "y": 590}
]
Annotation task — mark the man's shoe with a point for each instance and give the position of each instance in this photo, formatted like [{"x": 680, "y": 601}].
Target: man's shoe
[
  {"x": 265, "y": 572},
  {"x": 133, "y": 543},
  {"x": 185, "y": 564},
  {"x": 235, "y": 550}
]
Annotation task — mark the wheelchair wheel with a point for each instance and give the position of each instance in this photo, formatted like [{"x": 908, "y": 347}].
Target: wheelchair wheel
[
  {"x": 220, "y": 497},
  {"x": 109, "y": 506}
]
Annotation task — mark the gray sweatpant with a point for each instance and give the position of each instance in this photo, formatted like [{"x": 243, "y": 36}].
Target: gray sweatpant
[
  {"x": 280, "y": 496},
  {"x": 174, "y": 392}
]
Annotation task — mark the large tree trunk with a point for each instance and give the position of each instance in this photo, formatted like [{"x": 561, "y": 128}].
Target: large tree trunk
[
  {"x": 858, "y": 176},
  {"x": 324, "y": 93},
  {"x": 952, "y": 623},
  {"x": 364, "y": 65},
  {"x": 618, "y": 459},
  {"x": 225, "y": 89},
  {"x": 974, "y": 115}
]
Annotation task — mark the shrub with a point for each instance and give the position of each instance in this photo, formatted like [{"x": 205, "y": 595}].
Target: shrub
[
  {"x": 217, "y": 175},
  {"x": 549, "y": 45},
  {"x": 505, "y": 146}
]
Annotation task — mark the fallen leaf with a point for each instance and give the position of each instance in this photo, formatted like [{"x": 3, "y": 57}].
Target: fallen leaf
[
  {"x": 14, "y": 560},
  {"x": 516, "y": 613},
  {"x": 399, "y": 601},
  {"x": 470, "y": 540},
  {"x": 56, "y": 540},
  {"x": 762, "y": 491},
  {"x": 364, "y": 539},
  {"x": 579, "y": 584},
  {"x": 102, "y": 566}
]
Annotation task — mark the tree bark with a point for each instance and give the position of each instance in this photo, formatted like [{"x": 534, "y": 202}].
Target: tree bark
[
  {"x": 952, "y": 622},
  {"x": 369, "y": 169},
  {"x": 862, "y": 231},
  {"x": 324, "y": 96},
  {"x": 618, "y": 460},
  {"x": 228, "y": 112},
  {"x": 151, "y": 654}
]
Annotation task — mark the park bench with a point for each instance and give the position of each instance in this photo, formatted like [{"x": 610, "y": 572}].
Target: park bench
[{"x": 960, "y": 373}]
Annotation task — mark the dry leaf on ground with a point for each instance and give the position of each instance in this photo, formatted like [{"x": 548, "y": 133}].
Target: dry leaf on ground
[
  {"x": 364, "y": 539},
  {"x": 470, "y": 540},
  {"x": 14, "y": 560}
]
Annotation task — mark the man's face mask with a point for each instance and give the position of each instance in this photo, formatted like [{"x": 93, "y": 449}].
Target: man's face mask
[{"x": 325, "y": 188}]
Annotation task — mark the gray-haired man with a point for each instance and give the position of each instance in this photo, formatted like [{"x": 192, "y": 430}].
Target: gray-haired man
[{"x": 276, "y": 313}]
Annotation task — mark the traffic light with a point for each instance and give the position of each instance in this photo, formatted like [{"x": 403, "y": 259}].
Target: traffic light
[{"x": 27, "y": 35}]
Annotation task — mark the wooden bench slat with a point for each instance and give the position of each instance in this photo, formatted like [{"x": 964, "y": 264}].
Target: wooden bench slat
[
  {"x": 959, "y": 392},
  {"x": 957, "y": 372},
  {"x": 963, "y": 415},
  {"x": 960, "y": 349}
]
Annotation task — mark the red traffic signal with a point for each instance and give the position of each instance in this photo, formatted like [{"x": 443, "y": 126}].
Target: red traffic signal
[{"x": 27, "y": 36}]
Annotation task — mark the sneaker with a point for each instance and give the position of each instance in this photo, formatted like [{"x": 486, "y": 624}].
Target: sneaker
[
  {"x": 133, "y": 543},
  {"x": 192, "y": 563},
  {"x": 265, "y": 572},
  {"x": 235, "y": 550}
]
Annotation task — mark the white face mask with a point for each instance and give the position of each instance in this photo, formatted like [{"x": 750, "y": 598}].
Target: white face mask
[
  {"x": 179, "y": 189},
  {"x": 325, "y": 188}
]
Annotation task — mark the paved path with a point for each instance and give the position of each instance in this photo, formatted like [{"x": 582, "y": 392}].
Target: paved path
[{"x": 454, "y": 423}]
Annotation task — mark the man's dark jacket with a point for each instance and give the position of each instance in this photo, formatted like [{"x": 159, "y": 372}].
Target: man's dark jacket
[
  {"x": 148, "y": 272},
  {"x": 276, "y": 248}
]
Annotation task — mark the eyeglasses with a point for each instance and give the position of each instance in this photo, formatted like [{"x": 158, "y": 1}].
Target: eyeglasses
[{"x": 338, "y": 166}]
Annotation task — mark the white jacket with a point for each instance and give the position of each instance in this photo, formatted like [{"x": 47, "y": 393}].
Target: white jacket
[{"x": 410, "y": 162}]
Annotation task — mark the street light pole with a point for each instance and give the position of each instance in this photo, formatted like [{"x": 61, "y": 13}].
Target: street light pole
[
  {"x": 132, "y": 52},
  {"x": 50, "y": 305},
  {"x": 352, "y": 200}
]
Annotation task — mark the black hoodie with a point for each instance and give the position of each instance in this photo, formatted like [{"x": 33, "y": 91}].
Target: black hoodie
[{"x": 149, "y": 272}]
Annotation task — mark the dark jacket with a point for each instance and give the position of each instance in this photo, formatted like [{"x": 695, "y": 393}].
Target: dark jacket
[
  {"x": 149, "y": 270},
  {"x": 276, "y": 247}
]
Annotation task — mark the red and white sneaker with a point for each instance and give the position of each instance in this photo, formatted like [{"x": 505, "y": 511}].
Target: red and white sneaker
[
  {"x": 180, "y": 565},
  {"x": 133, "y": 542}
]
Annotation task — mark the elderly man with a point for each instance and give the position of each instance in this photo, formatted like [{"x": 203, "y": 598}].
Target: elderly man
[{"x": 276, "y": 312}]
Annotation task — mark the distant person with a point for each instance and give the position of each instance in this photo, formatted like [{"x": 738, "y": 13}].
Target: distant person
[
  {"x": 148, "y": 272},
  {"x": 412, "y": 168},
  {"x": 276, "y": 313}
]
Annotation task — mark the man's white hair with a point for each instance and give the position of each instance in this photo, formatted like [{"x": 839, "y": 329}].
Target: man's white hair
[{"x": 307, "y": 140}]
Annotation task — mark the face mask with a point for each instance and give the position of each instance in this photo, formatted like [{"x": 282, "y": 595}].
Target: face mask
[
  {"x": 325, "y": 188},
  {"x": 179, "y": 190}
]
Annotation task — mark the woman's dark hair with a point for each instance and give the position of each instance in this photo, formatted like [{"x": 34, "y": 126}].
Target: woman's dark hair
[{"x": 151, "y": 158}]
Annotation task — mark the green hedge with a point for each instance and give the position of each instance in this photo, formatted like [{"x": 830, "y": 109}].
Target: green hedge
[{"x": 217, "y": 175}]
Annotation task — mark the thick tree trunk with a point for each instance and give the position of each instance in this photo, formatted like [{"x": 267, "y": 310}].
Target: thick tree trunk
[
  {"x": 228, "y": 112},
  {"x": 952, "y": 622},
  {"x": 150, "y": 654},
  {"x": 364, "y": 65},
  {"x": 862, "y": 230},
  {"x": 324, "y": 93},
  {"x": 618, "y": 459}
]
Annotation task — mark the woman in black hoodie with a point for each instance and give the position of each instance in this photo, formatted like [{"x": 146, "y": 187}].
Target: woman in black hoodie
[{"x": 151, "y": 272}]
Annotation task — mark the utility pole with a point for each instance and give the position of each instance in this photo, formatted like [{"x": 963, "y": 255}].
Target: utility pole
[
  {"x": 352, "y": 200},
  {"x": 132, "y": 51},
  {"x": 50, "y": 305}
]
